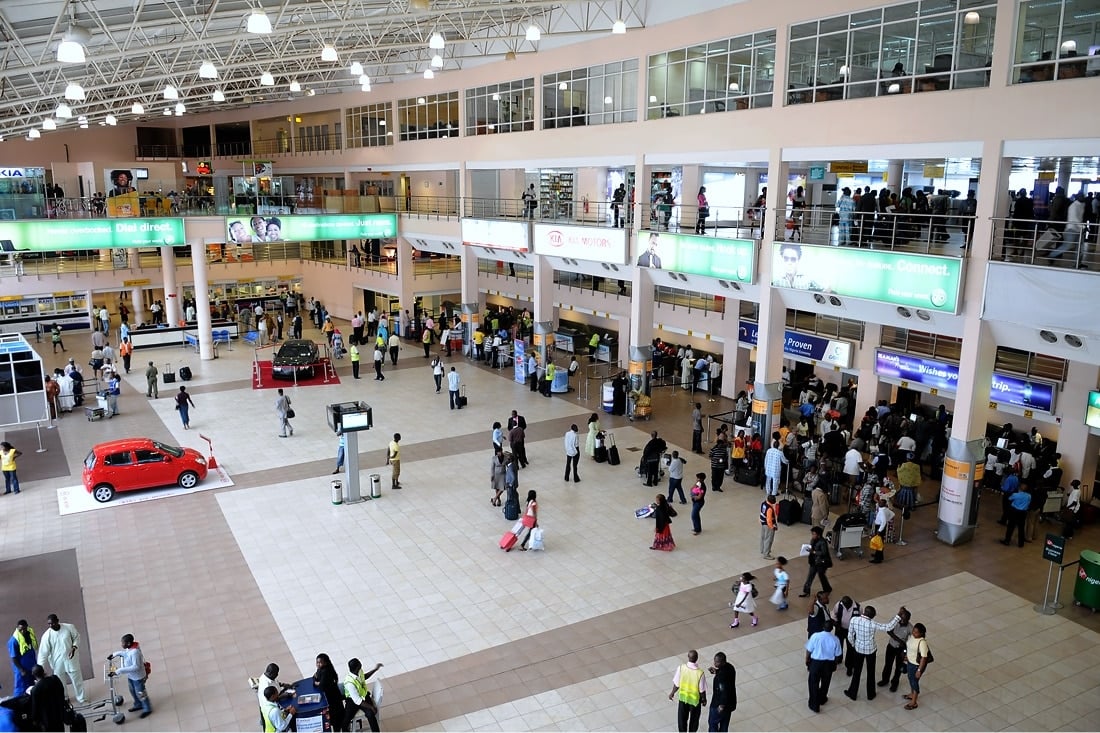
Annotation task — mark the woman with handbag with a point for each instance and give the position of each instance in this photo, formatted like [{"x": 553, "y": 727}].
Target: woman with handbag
[
  {"x": 662, "y": 534},
  {"x": 698, "y": 499},
  {"x": 530, "y": 517},
  {"x": 704, "y": 211}
]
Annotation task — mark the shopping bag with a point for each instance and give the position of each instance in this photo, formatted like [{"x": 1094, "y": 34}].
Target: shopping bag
[{"x": 536, "y": 539}]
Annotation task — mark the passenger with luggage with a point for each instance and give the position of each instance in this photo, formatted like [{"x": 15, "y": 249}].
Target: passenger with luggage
[
  {"x": 651, "y": 458},
  {"x": 593, "y": 431},
  {"x": 530, "y": 517}
]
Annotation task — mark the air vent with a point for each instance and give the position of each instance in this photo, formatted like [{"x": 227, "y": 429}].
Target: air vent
[
  {"x": 833, "y": 300},
  {"x": 1048, "y": 336},
  {"x": 1073, "y": 341},
  {"x": 724, "y": 284},
  {"x": 904, "y": 312},
  {"x": 606, "y": 266},
  {"x": 819, "y": 298},
  {"x": 682, "y": 276},
  {"x": 736, "y": 286},
  {"x": 924, "y": 315},
  {"x": 672, "y": 275},
  {"x": 614, "y": 268}
]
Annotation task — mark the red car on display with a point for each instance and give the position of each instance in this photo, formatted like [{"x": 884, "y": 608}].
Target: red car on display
[{"x": 140, "y": 463}]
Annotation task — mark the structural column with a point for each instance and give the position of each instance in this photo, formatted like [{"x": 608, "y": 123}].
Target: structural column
[
  {"x": 543, "y": 286},
  {"x": 171, "y": 297},
  {"x": 406, "y": 274},
  {"x": 735, "y": 360},
  {"x": 202, "y": 301},
  {"x": 867, "y": 388},
  {"x": 137, "y": 305},
  {"x": 767, "y": 404}
]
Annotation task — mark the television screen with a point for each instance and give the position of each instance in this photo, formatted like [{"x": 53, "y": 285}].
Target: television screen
[{"x": 1092, "y": 412}]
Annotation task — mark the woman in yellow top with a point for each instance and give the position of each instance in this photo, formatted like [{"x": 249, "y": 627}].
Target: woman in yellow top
[
  {"x": 737, "y": 452},
  {"x": 8, "y": 454},
  {"x": 327, "y": 328},
  {"x": 916, "y": 658}
]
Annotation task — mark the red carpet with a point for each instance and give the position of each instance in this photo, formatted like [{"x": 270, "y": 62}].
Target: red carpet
[{"x": 268, "y": 382}]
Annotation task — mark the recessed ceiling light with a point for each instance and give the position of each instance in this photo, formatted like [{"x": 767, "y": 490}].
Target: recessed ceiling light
[
  {"x": 429, "y": 74},
  {"x": 137, "y": 108},
  {"x": 170, "y": 92},
  {"x": 218, "y": 95},
  {"x": 437, "y": 62},
  {"x": 311, "y": 92},
  {"x": 33, "y": 133},
  {"x": 267, "y": 80},
  {"x": 653, "y": 99},
  {"x": 258, "y": 22},
  {"x": 735, "y": 87},
  {"x": 618, "y": 27},
  {"x": 83, "y": 125},
  {"x": 49, "y": 124},
  {"x": 356, "y": 68},
  {"x": 328, "y": 53},
  {"x": 207, "y": 70}
]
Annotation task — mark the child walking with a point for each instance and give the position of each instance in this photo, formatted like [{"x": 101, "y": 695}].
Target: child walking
[
  {"x": 782, "y": 582},
  {"x": 744, "y": 602}
]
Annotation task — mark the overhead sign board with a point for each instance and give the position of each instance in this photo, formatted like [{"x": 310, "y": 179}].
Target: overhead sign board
[
  {"x": 309, "y": 228},
  {"x": 597, "y": 244},
  {"x": 898, "y": 278},
  {"x": 1005, "y": 389},
  {"x": 803, "y": 345},
  {"x": 848, "y": 167},
  {"x": 51, "y": 235},
  {"x": 498, "y": 234},
  {"x": 728, "y": 259}
]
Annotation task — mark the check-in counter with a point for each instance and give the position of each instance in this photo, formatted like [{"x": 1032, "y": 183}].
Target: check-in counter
[{"x": 148, "y": 338}]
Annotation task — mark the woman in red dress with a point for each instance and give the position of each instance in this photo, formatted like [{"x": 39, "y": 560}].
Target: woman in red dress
[{"x": 662, "y": 535}]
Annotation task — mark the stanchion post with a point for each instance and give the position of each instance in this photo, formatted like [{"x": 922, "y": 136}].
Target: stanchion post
[{"x": 38, "y": 429}]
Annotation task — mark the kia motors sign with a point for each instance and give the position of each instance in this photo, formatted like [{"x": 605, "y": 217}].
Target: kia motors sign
[{"x": 597, "y": 244}]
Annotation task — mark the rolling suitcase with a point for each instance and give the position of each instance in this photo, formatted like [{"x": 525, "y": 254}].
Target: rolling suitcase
[
  {"x": 807, "y": 511},
  {"x": 746, "y": 475},
  {"x": 185, "y": 373},
  {"x": 612, "y": 451},
  {"x": 790, "y": 510},
  {"x": 168, "y": 374},
  {"x": 462, "y": 401},
  {"x": 511, "y": 505},
  {"x": 511, "y": 537}
]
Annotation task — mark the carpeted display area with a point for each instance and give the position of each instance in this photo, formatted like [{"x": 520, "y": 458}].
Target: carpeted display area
[
  {"x": 37, "y": 466},
  {"x": 33, "y": 587},
  {"x": 266, "y": 381}
]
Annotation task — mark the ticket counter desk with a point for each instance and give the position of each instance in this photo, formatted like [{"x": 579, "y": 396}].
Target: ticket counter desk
[{"x": 147, "y": 338}]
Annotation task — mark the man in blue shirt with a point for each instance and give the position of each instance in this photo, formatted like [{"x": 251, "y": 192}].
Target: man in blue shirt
[
  {"x": 1019, "y": 502},
  {"x": 1010, "y": 484},
  {"x": 823, "y": 651}
]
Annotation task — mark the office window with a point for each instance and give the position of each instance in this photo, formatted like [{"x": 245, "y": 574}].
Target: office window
[
  {"x": 1057, "y": 40},
  {"x": 497, "y": 108},
  {"x": 594, "y": 95},
  {"x": 720, "y": 76},
  {"x": 428, "y": 117},
  {"x": 370, "y": 126},
  {"x": 925, "y": 46}
]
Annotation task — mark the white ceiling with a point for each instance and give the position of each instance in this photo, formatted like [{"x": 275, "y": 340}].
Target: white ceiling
[{"x": 138, "y": 46}]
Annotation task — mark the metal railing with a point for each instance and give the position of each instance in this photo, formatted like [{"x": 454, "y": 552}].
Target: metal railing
[
  {"x": 593, "y": 283},
  {"x": 741, "y": 221},
  {"x": 1045, "y": 244},
  {"x": 1030, "y": 364},
  {"x": 945, "y": 234},
  {"x": 691, "y": 301},
  {"x": 500, "y": 268},
  {"x": 825, "y": 325}
]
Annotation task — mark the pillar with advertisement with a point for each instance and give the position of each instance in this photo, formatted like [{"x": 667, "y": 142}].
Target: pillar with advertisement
[
  {"x": 960, "y": 490},
  {"x": 639, "y": 368},
  {"x": 542, "y": 340},
  {"x": 471, "y": 321},
  {"x": 767, "y": 409}
]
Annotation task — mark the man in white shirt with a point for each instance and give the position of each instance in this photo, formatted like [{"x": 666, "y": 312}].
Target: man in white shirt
[
  {"x": 270, "y": 678},
  {"x": 883, "y": 516},
  {"x": 861, "y": 636},
  {"x": 715, "y": 367},
  {"x": 453, "y": 382},
  {"x": 372, "y": 322},
  {"x": 132, "y": 664},
  {"x": 60, "y": 648},
  {"x": 572, "y": 452}
]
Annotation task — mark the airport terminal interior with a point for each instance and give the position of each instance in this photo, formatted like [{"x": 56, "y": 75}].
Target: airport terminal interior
[{"x": 899, "y": 199}]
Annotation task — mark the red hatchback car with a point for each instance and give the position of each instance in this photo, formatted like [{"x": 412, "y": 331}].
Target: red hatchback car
[{"x": 140, "y": 463}]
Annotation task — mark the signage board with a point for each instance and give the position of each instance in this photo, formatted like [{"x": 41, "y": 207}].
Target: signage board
[
  {"x": 898, "y": 278},
  {"x": 597, "y": 244},
  {"x": 513, "y": 235},
  {"x": 1054, "y": 548},
  {"x": 519, "y": 361},
  {"x": 50, "y": 235},
  {"x": 1092, "y": 410},
  {"x": 309, "y": 228},
  {"x": 815, "y": 348},
  {"x": 848, "y": 167},
  {"x": 817, "y": 173},
  {"x": 1005, "y": 389},
  {"x": 729, "y": 259}
]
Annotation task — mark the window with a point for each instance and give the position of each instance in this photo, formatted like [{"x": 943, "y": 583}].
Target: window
[
  {"x": 925, "y": 46},
  {"x": 370, "y": 126},
  {"x": 507, "y": 107},
  {"x": 735, "y": 73},
  {"x": 1057, "y": 40},
  {"x": 318, "y": 138},
  {"x": 595, "y": 95},
  {"x": 149, "y": 456},
  {"x": 118, "y": 459},
  {"x": 428, "y": 117}
]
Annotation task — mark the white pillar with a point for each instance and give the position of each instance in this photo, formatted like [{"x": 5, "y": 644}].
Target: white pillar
[
  {"x": 137, "y": 304},
  {"x": 202, "y": 301},
  {"x": 867, "y": 388},
  {"x": 134, "y": 258},
  {"x": 171, "y": 296},
  {"x": 406, "y": 274},
  {"x": 641, "y": 309},
  {"x": 543, "y": 287}
]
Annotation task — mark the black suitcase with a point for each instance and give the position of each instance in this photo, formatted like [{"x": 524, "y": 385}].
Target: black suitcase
[
  {"x": 790, "y": 511},
  {"x": 612, "y": 451},
  {"x": 807, "y": 511},
  {"x": 461, "y": 401},
  {"x": 601, "y": 454},
  {"x": 168, "y": 374},
  {"x": 185, "y": 373},
  {"x": 747, "y": 475},
  {"x": 511, "y": 505}
]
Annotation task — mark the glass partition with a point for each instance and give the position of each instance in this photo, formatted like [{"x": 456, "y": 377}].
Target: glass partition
[
  {"x": 370, "y": 126},
  {"x": 594, "y": 95},
  {"x": 1057, "y": 39},
  {"x": 499, "y": 108},
  {"x": 429, "y": 117}
]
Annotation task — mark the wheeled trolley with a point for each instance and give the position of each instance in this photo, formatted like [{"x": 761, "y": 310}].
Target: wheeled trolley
[
  {"x": 98, "y": 710},
  {"x": 94, "y": 413},
  {"x": 847, "y": 534}
]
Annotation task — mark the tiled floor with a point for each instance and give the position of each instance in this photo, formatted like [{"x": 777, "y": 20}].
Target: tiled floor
[{"x": 584, "y": 636}]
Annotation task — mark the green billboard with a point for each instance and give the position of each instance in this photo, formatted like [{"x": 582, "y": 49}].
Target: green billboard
[
  {"x": 309, "y": 228},
  {"x": 898, "y": 278},
  {"x": 51, "y": 235},
  {"x": 729, "y": 259}
]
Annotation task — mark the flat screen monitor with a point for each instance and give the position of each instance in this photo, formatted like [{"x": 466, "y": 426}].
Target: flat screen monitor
[
  {"x": 1002, "y": 443},
  {"x": 913, "y": 418},
  {"x": 1092, "y": 412}
]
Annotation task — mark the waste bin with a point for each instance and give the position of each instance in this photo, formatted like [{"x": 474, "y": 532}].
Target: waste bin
[
  {"x": 1086, "y": 592},
  {"x": 375, "y": 486},
  {"x": 337, "y": 491}
]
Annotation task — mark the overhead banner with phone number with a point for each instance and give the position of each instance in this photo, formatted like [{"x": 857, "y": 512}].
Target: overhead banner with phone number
[
  {"x": 897, "y": 278},
  {"x": 53, "y": 235},
  {"x": 309, "y": 228}
]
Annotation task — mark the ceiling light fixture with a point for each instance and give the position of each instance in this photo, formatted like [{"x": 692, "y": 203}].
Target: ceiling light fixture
[
  {"x": 421, "y": 100},
  {"x": 111, "y": 120},
  {"x": 356, "y": 68},
  {"x": 49, "y": 124},
  {"x": 207, "y": 70},
  {"x": 618, "y": 27},
  {"x": 437, "y": 62},
  {"x": 267, "y": 80},
  {"x": 735, "y": 87},
  {"x": 137, "y": 108},
  {"x": 365, "y": 87},
  {"x": 608, "y": 100},
  {"x": 429, "y": 74},
  {"x": 74, "y": 92},
  {"x": 180, "y": 109},
  {"x": 170, "y": 92},
  {"x": 563, "y": 86},
  {"x": 533, "y": 34},
  {"x": 436, "y": 41},
  {"x": 295, "y": 86},
  {"x": 328, "y": 53},
  {"x": 84, "y": 125},
  {"x": 364, "y": 79},
  {"x": 33, "y": 133},
  {"x": 510, "y": 56},
  {"x": 71, "y": 48},
  {"x": 420, "y": 4},
  {"x": 972, "y": 18},
  {"x": 218, "y": 95},
  {"x": 63, "y": 112},
  {"x": 167, "y": 112},
  {"x": 258, "y": 22}
]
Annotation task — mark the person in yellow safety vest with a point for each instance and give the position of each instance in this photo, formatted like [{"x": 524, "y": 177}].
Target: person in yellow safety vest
[
  {"x": 691, "y": 682},
  {"x": 548, "y": 380},
  {"x": 353, "y": 353},
  {"x": 359, "y": 696},
  {"x": 276, "y": 718},
  {"x": 593, "y": 344}
]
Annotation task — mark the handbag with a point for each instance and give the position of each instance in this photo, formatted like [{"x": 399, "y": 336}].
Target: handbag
[
  {"x": 289, "y": 413},
  {"x": 704, "y": 211},
  {"x": 536, "y": 539}
]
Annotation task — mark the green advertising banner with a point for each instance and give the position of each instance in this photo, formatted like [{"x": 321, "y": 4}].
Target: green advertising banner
[
  {"x": 898, "y": 278},
  {"x": 52, "y": 235},
  {"x": 729, "y": 259},
  {"x": 309, "y": 228}
]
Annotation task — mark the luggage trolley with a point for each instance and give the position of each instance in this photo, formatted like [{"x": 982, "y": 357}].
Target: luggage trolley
[
  {"x": 847, "y": 534},
  {"x": 98, "y": 710}
]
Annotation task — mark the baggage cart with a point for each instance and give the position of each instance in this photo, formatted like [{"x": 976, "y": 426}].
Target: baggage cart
[{"x": 847, "y": 534}]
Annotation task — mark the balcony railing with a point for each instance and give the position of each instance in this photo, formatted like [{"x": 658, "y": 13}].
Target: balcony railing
[
  {"x": 924, "y": 233},
  {"x": 1045, "y": 244},
  {"x": 738, "y": 221}
]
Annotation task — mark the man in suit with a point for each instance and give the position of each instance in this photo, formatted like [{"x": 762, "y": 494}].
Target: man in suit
[{"x": 650, "y": 258}]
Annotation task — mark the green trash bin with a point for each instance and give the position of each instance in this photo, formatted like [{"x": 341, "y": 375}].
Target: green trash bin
[{"x": 1086, "y": 592}]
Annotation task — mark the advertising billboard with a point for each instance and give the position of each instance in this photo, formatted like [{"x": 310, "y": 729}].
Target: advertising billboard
[
  {"x": 52, "y": 235},
  {"x": 309, "y": 228},
  {"x": 803, "y": 345},
  {"x": 898, "y": 278},
  {"x": 729, "y": 259},
  {"x": 497, "y": 234},
  {"x": 597, "y": 244}
]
